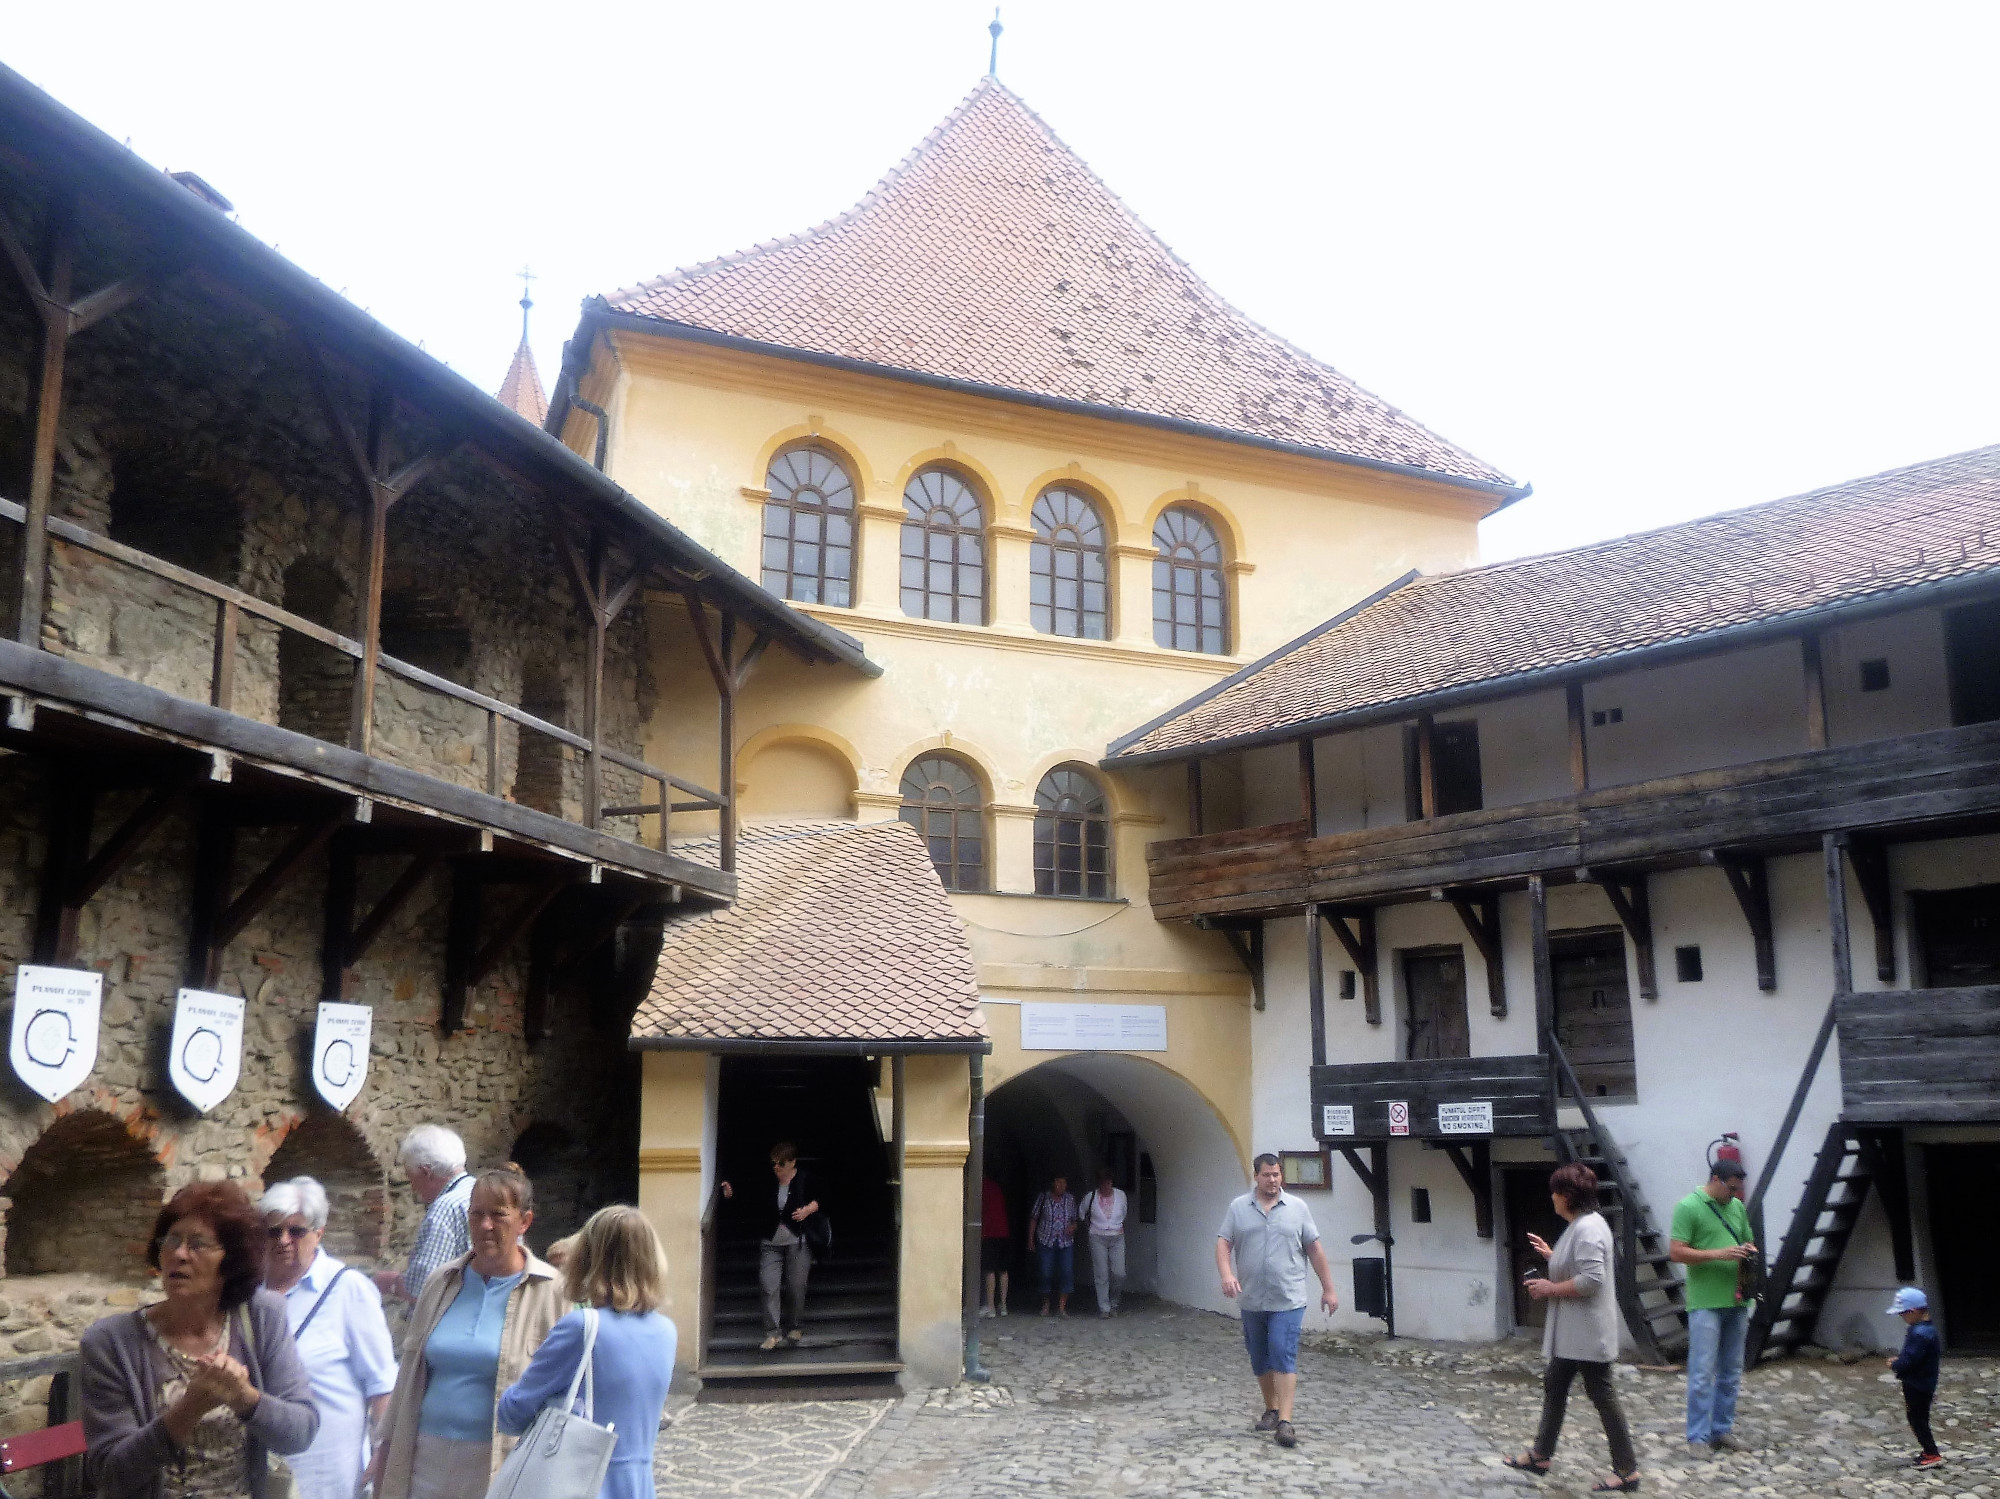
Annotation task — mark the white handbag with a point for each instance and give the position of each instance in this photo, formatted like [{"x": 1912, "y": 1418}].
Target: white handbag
[{"x": 564, "y": 1455}]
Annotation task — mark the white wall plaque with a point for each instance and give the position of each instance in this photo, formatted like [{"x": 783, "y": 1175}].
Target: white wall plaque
[
  {"x": 206, "y": 1054},
  {"x": 1466, "y": 1118},
  {"x": 340, "y": 1052},
  {"x": 1069, "y": 1027},
  {"x": 55, "y": 1028},
  {"x": 1336, "y": 1119},
  {"x": 1399, "y": 1118}
]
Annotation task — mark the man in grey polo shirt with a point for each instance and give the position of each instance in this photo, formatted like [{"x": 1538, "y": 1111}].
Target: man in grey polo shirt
[{"x": 1273, "y": 1237}]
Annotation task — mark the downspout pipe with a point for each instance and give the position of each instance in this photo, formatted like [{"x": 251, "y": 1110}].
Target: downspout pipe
[
  {"x": 591, "y": 408},
  {"x": 975, "y": 1197}
]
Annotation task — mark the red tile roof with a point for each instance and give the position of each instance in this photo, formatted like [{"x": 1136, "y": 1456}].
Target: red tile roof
[
  {"x": 993, "y": 255},
  {"x": 1859, "y": 542},
  {"x": 522, "y": 391},
  {"x": 840, "y": 932}
]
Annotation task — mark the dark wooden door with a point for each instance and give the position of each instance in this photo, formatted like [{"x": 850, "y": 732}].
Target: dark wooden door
[
  {"x": 1434, "y": 981},
  {"x": 1529, "y": 1211},
  {"x": 1958, "y": 936},
  {"x": 1594, "y": 1010},
  {"x": 1972, "y": 656},
  {"x": 1965, "y": 1225}
]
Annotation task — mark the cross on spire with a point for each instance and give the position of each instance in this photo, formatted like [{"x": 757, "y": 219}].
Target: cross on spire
[
  {"x": 993, "y": 57},
  {"x": 527, "y": 297}
]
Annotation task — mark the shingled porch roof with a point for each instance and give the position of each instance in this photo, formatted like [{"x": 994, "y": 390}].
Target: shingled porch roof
[
  {"x": 994, "y": 257},
  {"x": 1425, "y": 642},
  {"x": 841, "y": 938}
]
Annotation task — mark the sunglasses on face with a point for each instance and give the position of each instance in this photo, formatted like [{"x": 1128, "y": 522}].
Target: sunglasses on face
[
  {"x": 292, "y": 1231},
  {"x": 193, "y": 1244}
]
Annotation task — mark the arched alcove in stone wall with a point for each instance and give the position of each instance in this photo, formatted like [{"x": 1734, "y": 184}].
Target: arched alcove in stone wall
[
  {"x": 163, "y": 509},
  {"x": 315, "y": 682},
  {"x": 332, "y": 1151},
  {"x": 83, "y": 1200},
  {"x": 559, "y": 1166},
  {"x": 538, "y": 770}
]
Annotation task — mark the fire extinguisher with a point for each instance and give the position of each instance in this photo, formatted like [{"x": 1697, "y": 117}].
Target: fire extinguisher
[{"x": 1727, "y": 1147}]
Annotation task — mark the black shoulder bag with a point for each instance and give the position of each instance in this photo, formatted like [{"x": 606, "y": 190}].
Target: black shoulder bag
[{"x": 1749, "y": 1272}]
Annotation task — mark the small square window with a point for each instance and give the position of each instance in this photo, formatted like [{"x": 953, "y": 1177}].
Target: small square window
[
  {"x": 1875, "y": 675},
  {"x": 1687, "y": 964},
  {"x": 1597, "y": 719},
  {"x": 1306, "y": 1170},
  {"x": 1420, "y": 1204},
  {"x": 1602, "y": 716},
  {"x": 1347, "y": 983}
]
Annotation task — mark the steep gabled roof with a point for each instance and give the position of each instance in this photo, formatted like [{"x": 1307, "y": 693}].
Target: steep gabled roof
[
  {"x": 841, "y": 933},
  {"x": 1868, "y": 543},
  {"x": 522, "y": 390},
  {"x": 994, "y": 257}
]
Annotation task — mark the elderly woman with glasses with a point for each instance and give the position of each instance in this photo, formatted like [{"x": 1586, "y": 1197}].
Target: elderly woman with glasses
[
  {"x": 480, "y": 1319},
  {"x": 335, "y": 1314},
  {"x": 190, "y": 1397}
]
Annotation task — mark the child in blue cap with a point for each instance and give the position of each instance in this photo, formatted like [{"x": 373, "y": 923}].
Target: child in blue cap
[{"x": 1917, "y": 1367}]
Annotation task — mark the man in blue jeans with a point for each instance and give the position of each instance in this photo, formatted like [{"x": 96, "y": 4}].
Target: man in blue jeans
[
  {"x": 1271, "y": 1237},
  {"x": 1710, "y": 1235}
]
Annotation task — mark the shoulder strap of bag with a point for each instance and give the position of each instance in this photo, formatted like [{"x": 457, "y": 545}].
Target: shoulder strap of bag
[
  {"x": 582, "y": 1378},
  {"x": 1724, "y": 1221},
  {"x": 300, "y": 1331}
]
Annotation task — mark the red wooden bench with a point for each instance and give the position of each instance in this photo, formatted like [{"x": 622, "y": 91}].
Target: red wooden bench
[
  {"x": 35, "y": 1449},
  {"x": 52, "y": 1444}
]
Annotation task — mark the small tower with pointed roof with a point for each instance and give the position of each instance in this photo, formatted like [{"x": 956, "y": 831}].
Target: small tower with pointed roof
[{"x": 522, "y": 390}]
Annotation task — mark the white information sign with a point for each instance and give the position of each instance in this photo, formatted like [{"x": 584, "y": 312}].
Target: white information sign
[
  {"x": 1399, "y": 1118},
  {"x": 1336, "y": 1119},
  {"x": 205, "y": 1056},
  {"x": 55, "y": 1028},
  {"x": 340, "y": 1052},
  {"x": 1067, "y": 1027},
  {"x": 1466, "y": 1118}
]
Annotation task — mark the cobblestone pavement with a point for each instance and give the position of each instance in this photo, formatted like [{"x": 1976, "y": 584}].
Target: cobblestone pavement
[{"x": 1159, "y": 1402}]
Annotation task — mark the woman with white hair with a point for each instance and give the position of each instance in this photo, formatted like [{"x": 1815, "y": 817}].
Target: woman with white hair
[{"x": 335, "y": 1314}]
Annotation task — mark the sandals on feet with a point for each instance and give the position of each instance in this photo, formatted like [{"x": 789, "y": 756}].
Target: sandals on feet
[
  {"x": 1625, "y": 1483},
  {"x": 1528, "y": 1462}
]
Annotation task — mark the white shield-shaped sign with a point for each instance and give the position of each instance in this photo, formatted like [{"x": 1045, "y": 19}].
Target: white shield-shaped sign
[
  {"x": 55, "y": 1028},
  {"x": 340, "y": 1052},
  {"x": 207, "y": 1049}
]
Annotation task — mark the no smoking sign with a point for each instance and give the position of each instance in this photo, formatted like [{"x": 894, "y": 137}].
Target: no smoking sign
[{"x": 1399, "y": 1118}]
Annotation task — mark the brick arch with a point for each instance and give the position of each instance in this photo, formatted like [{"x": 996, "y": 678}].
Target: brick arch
[
  {"x": 83, "y": 1198},
  {"x": 328, "y": 1148},
  {"x": 558, "y": 1163}
]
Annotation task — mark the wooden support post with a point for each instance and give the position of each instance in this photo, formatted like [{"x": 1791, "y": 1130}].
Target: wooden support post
[
  {"x": 262, "y": 889},
  {"x": 1247, "y": 942},
  {"x": 536, "y": 1023},
  {"x": 1427, "y": 789},
  {"x": 1882, "y": 1154},
  {"x": 214, "y": 869},
  {"x": 1196, "y": 822},
  {"x": 1538, "y": 938},
  {"x": 1360, "y": 947},
  {"x": 492, "y": 753},
  {"x": 337, "y": 925},
  {"x": 1579, "y": 743},
  {"x": 1836, "y": 914},
  {"x": 222, "y": 678},
  {"x": 1316, "y": 986},
  {"x": 1375, "y": 1178},
  {"x": 1815, "y": 683},
  {"x": 72, "y": 806},
  {"x": 461, "y": 933},
  {"x": 1308, "y": 788},
  {"x": 516, "y": 921},
  {"x": 1476, "y": 1170},
  {"x": 1632, "y": 900},
  {"x": 725, "y": 782},
  {"x": 1482, "y": 924},
  {"x": 1870, "y": 858},
  {"x": 50, "y": 291},
  {"x": 1749, "y": 882}
]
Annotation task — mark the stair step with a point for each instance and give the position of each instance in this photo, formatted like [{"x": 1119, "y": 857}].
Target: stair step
[
  {"x": 856, "y": 1330},
  {"x": 753, "y": 1316}
]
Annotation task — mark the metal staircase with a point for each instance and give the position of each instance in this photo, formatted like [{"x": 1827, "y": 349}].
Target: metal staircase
[
  {"x": 1650, "y": 1291},
  {"x": 1849, "y": 1162}
]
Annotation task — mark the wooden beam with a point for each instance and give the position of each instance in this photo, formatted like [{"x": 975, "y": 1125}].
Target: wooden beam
[
  {"x": 273, "y": 877},
  {"x": 130, "y": 834},
  {"x": 222, "y": 675},
  {"x": 1309, "y": 787},
  {"x": 72, "y": 807},
  {"x": 1247, "y": 942},
  {"x": 1360, "y": 947},
  {"x": 1579, "y": 743},
  {"x": 1882, "y": 1154},
  {"x": 214, "y": 868},
  {"x": 1870, "y": 858},
  {"x": 1482, "y": 924},
  {"x": 535, "y": 1008},
  {"x": 1631, "y": 898},
  {"x": 51, "y": 292},
  {"x": 460, "y": 936},
  {"x": 1353, "y": 1154},
  {"x": 750, "y": 658},
  {"x": 1749, "y": 882},
  {"x": 336, "y": 939},
  {"x": 1538, "y": 940},
  {"x": 726, "y": 745},
  {"x": 1316, "y": 986},
  {"x": 596, "y": 935},
  {"x": 1476, "y": 1170},
  {"x": 516, "y": 921},
  {"x": 1815, "y": 685},
  {"x": 1427, "y": 790},
  {"x": 1195, "y": 818}
]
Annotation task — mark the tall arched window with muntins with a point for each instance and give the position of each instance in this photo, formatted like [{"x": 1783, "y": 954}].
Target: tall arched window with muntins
[
  {"x": 1072, "y": 835},
  {"x": 944, "y": 549},
  {"x": 1067, "y": 570},
  {"x": 809, "y": 528},
  {"x": 941, "y": 801},
  {"x": 1190, "y": 603}
]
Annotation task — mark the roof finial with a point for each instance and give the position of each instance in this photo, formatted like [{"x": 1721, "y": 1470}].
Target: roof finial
[
  {"x": 527, "y": 299},
  {"x": 993, "y": 57}
]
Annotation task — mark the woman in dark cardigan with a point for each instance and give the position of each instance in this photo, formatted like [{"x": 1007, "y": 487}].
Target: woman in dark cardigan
[{"x": 187, "y": 1399}]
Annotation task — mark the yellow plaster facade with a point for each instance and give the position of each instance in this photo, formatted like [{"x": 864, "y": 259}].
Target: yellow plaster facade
[{"x": 693, "y": 430}]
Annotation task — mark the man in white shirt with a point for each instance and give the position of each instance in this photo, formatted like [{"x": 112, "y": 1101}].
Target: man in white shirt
[{"x": 1104, "y": 1213}]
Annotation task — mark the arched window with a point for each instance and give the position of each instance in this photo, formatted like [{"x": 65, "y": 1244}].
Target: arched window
[
  {"x": 944, "y": 549},
  {"x": 941, "y": 801},
  {"x": 1072, "y": 835},
  {"x": 1067, "y": 591},
  {"x": 1190, "y": 607},
  {"x": 809, "y": 528}
]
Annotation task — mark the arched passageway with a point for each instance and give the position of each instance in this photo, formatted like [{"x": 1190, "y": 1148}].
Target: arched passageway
[
  {"x": 1166, "y": 1146},
  {"x": 82, "y": 1200},
  {"x": 328, "y": 1148}
]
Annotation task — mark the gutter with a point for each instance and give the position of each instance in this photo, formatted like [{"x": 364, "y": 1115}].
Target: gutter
[
  {"x": 1917, "y": 595},
  {"x": 309, "y": 303},
  {"x": 598, "y": 314}
]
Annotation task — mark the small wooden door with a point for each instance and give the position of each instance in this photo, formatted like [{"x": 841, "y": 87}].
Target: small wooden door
[
  {"x": 1434, "y": 982},
  {"x": 1958, "y": 936},
  {"x": 1594, "y": 1010},
  {"x": 1528, "y": 1211}
]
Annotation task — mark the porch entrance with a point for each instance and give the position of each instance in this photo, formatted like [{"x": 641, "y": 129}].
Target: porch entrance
[
  {"x": 825, "y": 1107},
  {"x": 1528, "y": 1211},
  {"x": 1965, "y": 1224}
]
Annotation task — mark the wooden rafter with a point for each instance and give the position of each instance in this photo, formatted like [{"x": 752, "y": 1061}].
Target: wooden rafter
[
  {"x": 1631, "y": 900},
  {"x": 1474, "y": 1161},
  {"x": 1749, "y": 881},
  {"x": 1870, "y": 859},
  {"x": 1359, "y": 944},
  {"x": 1481, "y": 917}
]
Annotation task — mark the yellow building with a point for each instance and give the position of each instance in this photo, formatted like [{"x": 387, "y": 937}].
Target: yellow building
[{"x": 989, "y": 426}]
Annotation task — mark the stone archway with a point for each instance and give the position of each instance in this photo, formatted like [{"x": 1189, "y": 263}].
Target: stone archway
[
  {"x": 83, "y": 1200},
  {"x": 334, "y": 1153}
]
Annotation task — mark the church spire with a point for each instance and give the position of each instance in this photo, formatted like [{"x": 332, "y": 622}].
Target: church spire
[{"x": 522, "y": 391}]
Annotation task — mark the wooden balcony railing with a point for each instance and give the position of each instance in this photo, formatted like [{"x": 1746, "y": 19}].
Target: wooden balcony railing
[
  {"x": 1920, "y": 1056},
  {"x": 1774, "y": 805}
]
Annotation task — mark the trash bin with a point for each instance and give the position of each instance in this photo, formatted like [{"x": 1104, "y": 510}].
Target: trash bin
[{"x": 1371, "y": 1287}]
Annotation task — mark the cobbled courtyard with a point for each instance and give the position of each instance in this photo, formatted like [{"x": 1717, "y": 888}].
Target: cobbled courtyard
[{"x": 1159, "y": 1402}]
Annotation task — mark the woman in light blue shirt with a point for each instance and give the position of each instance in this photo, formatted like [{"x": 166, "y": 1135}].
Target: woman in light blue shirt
[
  {"x": 335, "y": 1314},
  {"x": 617, "y": 1265}
]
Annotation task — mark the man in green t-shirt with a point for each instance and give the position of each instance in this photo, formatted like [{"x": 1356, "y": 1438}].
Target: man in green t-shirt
[{"x": 1711, "y": 1237}]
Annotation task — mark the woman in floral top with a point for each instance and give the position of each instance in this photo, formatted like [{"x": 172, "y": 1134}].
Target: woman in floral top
[{"x": 1052, "y": 1230}]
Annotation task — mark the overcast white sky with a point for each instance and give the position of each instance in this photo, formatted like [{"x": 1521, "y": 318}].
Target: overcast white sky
[{"x": 1656, "y": 259}]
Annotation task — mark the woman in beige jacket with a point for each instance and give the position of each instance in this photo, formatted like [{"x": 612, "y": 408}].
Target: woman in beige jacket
[
  {"x": 1581, "y": 1336},
  {"x": 476, "y": 1325}
]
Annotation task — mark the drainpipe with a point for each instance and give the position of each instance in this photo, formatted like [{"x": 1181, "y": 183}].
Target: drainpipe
[
  {"x": 603, "y": 425},
  {"x": 975, "y": 1196}
]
